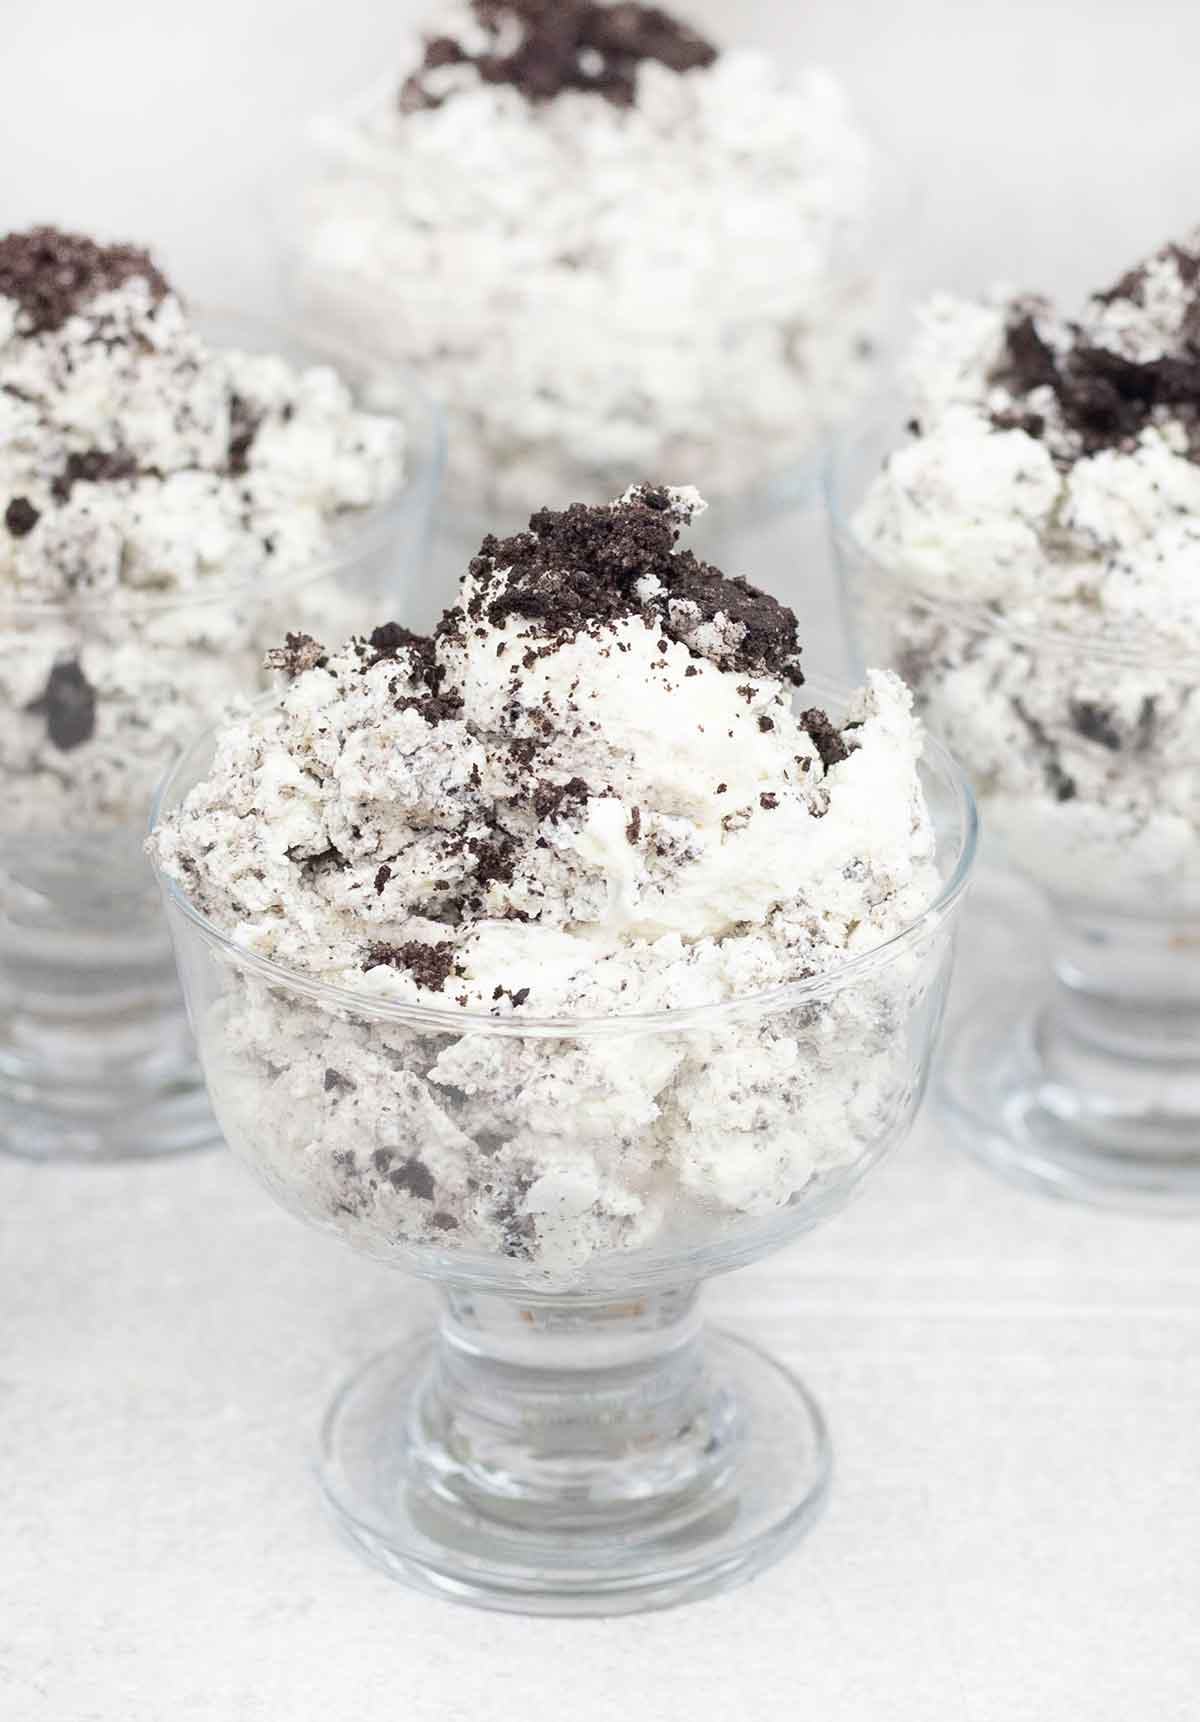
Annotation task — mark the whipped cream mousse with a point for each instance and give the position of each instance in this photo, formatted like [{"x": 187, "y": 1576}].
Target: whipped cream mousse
[
  {"x": 1036, "y": 544},
  {"x": 590, "y": 794},
  {"x": 610, "y": 247},
  {"x": 143, "y": 475}
]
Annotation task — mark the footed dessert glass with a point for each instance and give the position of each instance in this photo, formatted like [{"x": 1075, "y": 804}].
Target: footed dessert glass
[
  {"x": 570, "y": 1440},
  {"x": 1084, "y": 753},
  {"x": 96, "y": 1060}
]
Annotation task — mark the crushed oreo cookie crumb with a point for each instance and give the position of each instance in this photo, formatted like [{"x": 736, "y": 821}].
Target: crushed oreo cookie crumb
[
  {"x": 578, "y": 568},
  {"x": 300, "y": 652},
  {"x": 330, "y": 859},
  {"x": 494, "y": 857},
  {"x": 389, "y": 640},
  {"x": 68, "y": 705},
  {"x": 552, "y": 800},
  {"x": 1031, "y": 361},
  {"x": 429, "y": 965},
  {"x": 1096, "y": 724},
  {"x": 243, "y": 428},
  {"x": 97, "y": 466},
  {"x": 577, "y": 45},
  {"x": 1104, "y": 397},
  {"x": 20, "y": 517},
  {"x": 825, "y": 737},
  {"x": 414, "y": 1176},
  {"x": 52, "y": 275}
]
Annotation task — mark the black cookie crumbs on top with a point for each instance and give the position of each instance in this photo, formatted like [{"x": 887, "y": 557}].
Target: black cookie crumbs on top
[
  {"x": 1031, "y": 361},
  {"x": 1104, "y": 397},
  {"x": 52, "y": 275},
  {"x": 1132, "y": 285},
  {"x": 565, "y": 45},
  {"x": 300, "y": 652},
  {"x": 21, "y": 516},
  {"x": 429, "y": 965},
  {"x": 825, "y": 737},
  {"x": 390, "y": 639},
  {"x": 68, "y": 704},
  {"x": 387, "y": 643},
  {"x": 580, "y": 567}
]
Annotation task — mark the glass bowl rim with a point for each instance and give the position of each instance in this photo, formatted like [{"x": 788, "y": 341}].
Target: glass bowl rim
[
  {"x": 1046, "y": 634},
  {"x": 425, "y": 458},
  {"x": 935, "y": 756}
]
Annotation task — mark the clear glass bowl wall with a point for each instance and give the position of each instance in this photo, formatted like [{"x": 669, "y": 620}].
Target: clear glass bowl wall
[{"x": 697, "y": 1139}]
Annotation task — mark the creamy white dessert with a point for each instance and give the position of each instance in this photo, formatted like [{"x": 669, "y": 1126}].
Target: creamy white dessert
[
  {"x": 609, "y": 246},
  {"x": 589, "y": 795},
  {"x": 1035, "y": 571},
  {"x": 154, "y": 491}
]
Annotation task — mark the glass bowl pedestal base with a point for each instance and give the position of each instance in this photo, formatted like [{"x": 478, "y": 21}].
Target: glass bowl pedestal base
[
  {"x": 1090, "y": 1088},
  {"x": 574, "y": 1457}
]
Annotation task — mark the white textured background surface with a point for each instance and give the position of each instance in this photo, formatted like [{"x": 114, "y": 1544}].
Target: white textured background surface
[{"x": 1014, "y": 1387}]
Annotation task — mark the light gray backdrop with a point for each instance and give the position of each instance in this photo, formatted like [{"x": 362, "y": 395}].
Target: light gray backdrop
[{"x": 1051, "y": 140}]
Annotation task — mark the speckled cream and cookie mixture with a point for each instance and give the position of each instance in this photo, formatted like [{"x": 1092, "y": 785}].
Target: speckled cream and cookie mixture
[
  {"x": 592, "y": 793},
  {"x": 1035, "y": 571},
  {"x": 145, "y": 478},
  {"x": 610, "y": 248}
]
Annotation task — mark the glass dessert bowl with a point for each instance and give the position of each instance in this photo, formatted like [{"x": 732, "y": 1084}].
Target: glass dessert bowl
[
  {"x": 540, "y": 220},
  {"x": 569, "y": 1440},
  {"x": 1028, "y": 562},
  {"x": 134, "y": 606}
]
